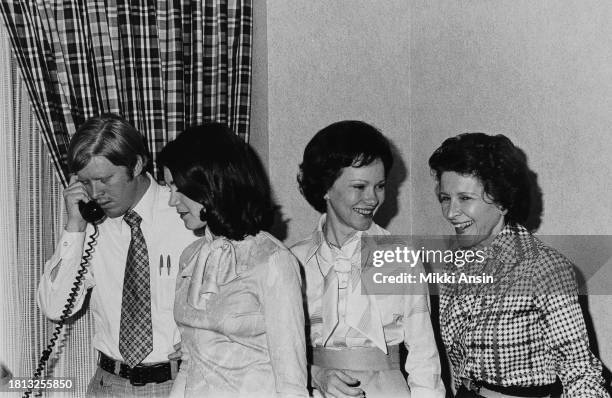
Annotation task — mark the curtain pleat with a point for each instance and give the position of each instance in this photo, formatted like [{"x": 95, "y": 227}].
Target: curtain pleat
[
  {"x": 9, "y": 294},
  {"x": 36, "y": 62}
]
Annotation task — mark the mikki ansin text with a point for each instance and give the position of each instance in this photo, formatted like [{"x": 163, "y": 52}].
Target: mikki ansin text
[
  {"x": 410, "y": 257},
  {"x": 434, "y": 277}
]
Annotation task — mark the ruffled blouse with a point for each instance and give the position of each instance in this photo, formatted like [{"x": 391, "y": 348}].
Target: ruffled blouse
[{"x": 239, "y": 309}]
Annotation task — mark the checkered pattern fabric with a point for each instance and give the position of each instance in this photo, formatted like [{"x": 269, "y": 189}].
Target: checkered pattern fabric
[
  {"x": 526, "y": 328},
  {"x": 136, "y": 328},
  {"x": 163, "y": 65}
]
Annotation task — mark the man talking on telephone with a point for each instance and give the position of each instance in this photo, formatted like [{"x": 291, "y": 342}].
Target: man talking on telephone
[{"x": 133, "y": 267}]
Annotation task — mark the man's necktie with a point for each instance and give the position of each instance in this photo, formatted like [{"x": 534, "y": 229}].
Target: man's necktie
[{"x": 136, "y": 329}]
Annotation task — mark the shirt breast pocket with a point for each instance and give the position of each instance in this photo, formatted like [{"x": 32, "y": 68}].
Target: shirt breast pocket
[{"x": 164, "y": 275}]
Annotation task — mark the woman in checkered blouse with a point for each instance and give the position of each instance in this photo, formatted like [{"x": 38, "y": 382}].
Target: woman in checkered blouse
[{"x": 517, "y": 335}]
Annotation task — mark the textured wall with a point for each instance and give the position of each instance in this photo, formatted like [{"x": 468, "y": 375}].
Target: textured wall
[{"x": 259, "y": 91}]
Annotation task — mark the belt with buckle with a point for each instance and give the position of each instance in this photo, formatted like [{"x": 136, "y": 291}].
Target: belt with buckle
[
  {"x": 517, "y": 391},
  {"x": 141, "y": 374}
]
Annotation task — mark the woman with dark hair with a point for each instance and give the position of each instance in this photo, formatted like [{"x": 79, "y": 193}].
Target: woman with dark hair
[
  {"x": 514, "y": 336},
  {"x": 238, "y": 302},
  {"x": 355, "y": 336}
]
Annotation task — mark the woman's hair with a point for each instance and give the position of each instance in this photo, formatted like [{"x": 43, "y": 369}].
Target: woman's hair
[
  {"x": 339, "y": 145},
  {"x": 107, "y": 135},
  {"x": 496, "y": 162},
  {"x": 214, "y": 167}
]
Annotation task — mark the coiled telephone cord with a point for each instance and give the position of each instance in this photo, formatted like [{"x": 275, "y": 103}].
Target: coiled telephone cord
[{"x": 67, "y": 311}]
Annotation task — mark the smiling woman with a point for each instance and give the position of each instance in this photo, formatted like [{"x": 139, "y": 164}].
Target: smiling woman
[
  {"x": 353, "y": 199},
  {"x": 477, "y": 219},
  {"x": 515, "y": 336},
  {"x": 191, "y": 212},
  {"x": 355, "y": 336}
]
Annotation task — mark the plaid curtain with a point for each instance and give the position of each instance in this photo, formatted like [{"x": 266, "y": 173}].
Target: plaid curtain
[{"x": 162, "y": 64}]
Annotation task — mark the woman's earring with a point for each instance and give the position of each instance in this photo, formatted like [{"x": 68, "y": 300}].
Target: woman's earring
[{"x": 203, "y": 214}]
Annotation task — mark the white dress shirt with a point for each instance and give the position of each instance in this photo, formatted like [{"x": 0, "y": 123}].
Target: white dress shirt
[{"x": 165, "y": 236}]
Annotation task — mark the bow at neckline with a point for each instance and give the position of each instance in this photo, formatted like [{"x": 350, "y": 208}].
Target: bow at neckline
[
  {"x": 362, "y": 312},
  {"x": 214, "y": 266}
]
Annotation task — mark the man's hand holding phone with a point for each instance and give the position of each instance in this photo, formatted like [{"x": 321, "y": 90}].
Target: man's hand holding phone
[{"x": 73, "y": 194}]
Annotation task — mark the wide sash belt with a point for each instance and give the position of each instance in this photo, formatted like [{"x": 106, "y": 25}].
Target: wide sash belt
[{"x": 359, "y": 359}]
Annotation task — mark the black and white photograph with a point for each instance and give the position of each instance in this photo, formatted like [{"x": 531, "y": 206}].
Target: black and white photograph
[{"x": 306, "y": 198}]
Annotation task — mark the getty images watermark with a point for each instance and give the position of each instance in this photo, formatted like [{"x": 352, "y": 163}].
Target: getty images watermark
[
  {"x": 437, "y": 264},
  {"x": 404, "y": 255}
]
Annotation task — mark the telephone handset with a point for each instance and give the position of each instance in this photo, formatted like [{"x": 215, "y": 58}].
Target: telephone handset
[{"x": 93, "y": 214}]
